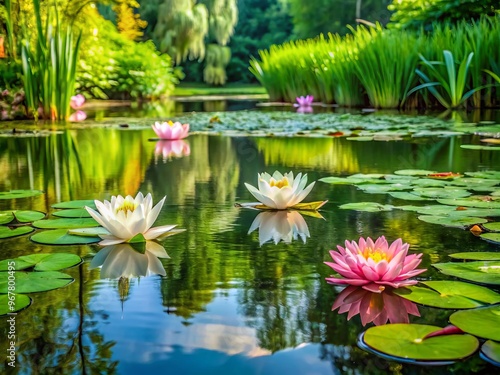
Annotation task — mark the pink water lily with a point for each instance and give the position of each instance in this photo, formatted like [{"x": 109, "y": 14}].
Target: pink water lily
[
  {"x": 77, "y": 101},
  {"x": 378, "y": 308},
  {"x": 304, "y": 101},
  {"x": 171, "y": 130},
  {"x": 374, "y": 265}
]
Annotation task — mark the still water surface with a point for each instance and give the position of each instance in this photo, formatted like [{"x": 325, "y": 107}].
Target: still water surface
[{"x": 228, "y": 303}]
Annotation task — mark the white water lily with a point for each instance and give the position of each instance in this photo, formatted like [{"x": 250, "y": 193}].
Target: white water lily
[
  {"x": 127, "y": 217},
  {"x": 280, "y": 191},
  {"x": 280, "y": 226},
  {"x": 123, "y": 261}
]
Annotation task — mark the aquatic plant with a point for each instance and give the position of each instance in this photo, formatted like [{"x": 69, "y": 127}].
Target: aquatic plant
[
  {"x": 280, "y": 191},
  {"x": 171, "y": 130},
  {"x": 128, "y": 219},
  {"x": 374, "y": 265},
  {"x": 304, "y": 101}
]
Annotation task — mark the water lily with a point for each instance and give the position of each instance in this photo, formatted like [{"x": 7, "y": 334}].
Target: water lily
[
  {"x": 378, "y": 308},
  {"x": 171, "y": 130},
  {"x": 280, "y": 191},
  {"x": 77, "y": 101},
  {"x": 172, "y": 149},
  {"x": 77, "y": 116},
  {"x": 123, "y": 260},
  {"x": 304, "y": 101},
  {"x": 374, "y": 265},
  {"x": 127, "y": 217},
  {"x": 280, "y": 226}
]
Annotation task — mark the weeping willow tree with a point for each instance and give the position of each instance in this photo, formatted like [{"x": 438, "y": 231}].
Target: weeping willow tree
[{"x": 195, "y": 29}]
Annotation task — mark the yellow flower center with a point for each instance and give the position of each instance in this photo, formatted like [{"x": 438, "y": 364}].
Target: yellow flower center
[
  {"x": 279, "y": 183},
  {"x": 126, "y": 207},
  {"x": 376, "y": 254},
  {"x": 170, "y": 123}
]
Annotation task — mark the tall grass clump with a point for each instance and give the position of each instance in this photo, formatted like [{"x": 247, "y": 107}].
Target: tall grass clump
[{"x": 49, "y": 67}]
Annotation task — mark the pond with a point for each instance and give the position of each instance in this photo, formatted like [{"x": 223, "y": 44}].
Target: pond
[{"x": 231, "y": 301}]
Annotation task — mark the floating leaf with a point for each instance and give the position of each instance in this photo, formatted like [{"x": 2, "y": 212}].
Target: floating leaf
[
  {"x": 6, "y": 217},
  {"x": 42, "y": 262},
  {"x": 429, "y": 182},
  {"x": 406, "y": 343},
  {"x": 470, "y": 202},
  {"x": 444, "y": 175},
  {"x": 72, "y": 213},
  {"x": 480, "y": 272},
  {"x": 308, "y": 206},
  {"x": 479, "y": 147},
  {"x": 414, "y": 172},
  {"x": 452, "y": 221},
  {"x": 89, "y": 232},
  {"x": 490, "y": 351},
  {"x": 449, "y": 294},
  {"x": 382, "y": 188},
  {"x": 495, "y": 141},
  {"x": 341, "y": 180},
  {"x": 21, "y": 301},
  {"x": 28, "y": 216},
  {"x": 479, "y": 255},
  {"x": 436, "y": 210},
  {"x": 61, "y": 237},
  {"x": 65, "y": 223},
  {"x": 13, "y": 194},
  {"x": 485, "y": 174},
  {"x": 442, "y": 193},
  {"x": 32, "y": 282},
  {"x": 483, "y": 322},
  {"x": 367, "y": 207},
  {"x": 491, "y": 237},
  {"x": 361, "y": 139},
  {"x": 75, "y": 204},
  {"x": 470, "y": 183},
  {"x": 6, "y": 232},
  {"x": 407, "y": 196},
  {"x": 494, "y": 227}
]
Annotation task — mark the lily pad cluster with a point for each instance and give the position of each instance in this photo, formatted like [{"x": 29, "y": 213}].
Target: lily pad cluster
[
  {"x": 450, "y": 199},
  {"x": 32, "y": 274}
]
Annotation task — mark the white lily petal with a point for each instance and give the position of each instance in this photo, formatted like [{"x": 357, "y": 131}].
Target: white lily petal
[{"x": 155, "y": 232}]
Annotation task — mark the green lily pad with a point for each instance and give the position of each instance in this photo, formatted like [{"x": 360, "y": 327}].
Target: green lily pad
[
  {"x": 360, "y": 139},
  {"x": 429, "y": 182},
  {"x": 13, "y": 194},
  {"x": 89, "y": 232},
  {"x": 479, "y": 147},
  {"x": 65, "y": 223},
  {"x": 407, "y": 196},
  {"x": 494, "y": 227},
  {"x": 32, "y": 282},
  {"x": 491, "y": 237},
  {"x": 479, "y": 255},
  {"x": 6, "y": 232},
  {"x": 406, "y": 342},
  {"x": 61, "y": 237},
  {"x": 471, "y": 202},
  {"x": 483, "y": 322},
  {"x": 75, "y": 204},
  {"x": 28, "y": 216},
  {"x": 341, "y": 180},
  {"x": 6, "y": 217},
  {"x": 449, "y": 295},
  {"x": 436, "y": 210},
  {"x": 470, "y": 183},
  {"x": 42, "y": 262},
  {"x": 485, "y": 174},
  {"x": 414, "y": 172},
  {"x": 490, "y": 351},
  {"x": 75, "y": 213},
  {"x": 476, "y": 212},
  {"x": 21, "y": 301},
  {"x": 381, "y": 188},
  {"x": 368, "y": 176},
  {"x": 452, "y": 221},
  {"x": 441, "y": 193},
  {"x": 367, "y": 207},
  {"x": 485, "y": 272}
]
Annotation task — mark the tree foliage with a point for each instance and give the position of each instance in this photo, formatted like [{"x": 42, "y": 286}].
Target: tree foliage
[{"x": 128, "y": 22}]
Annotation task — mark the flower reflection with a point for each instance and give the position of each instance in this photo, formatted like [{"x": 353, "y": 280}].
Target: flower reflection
[
  {"x": 123, "y": 261},
  {"x": 171, "y": 149},
  {"x": 280, "y": 226},
  {"x": 378, "y": 308}
]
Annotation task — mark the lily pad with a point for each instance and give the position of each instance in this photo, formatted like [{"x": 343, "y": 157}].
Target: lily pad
[
  {"x": 479, "y": 147},
  {"x": 382, "y": 188},
  {"x": 43, "y": 262},
  {"x": 470, "y": 202},
  {"x": 485, "y": 174},
  {"x": 452, "y": 221},
  {"x": 13, "y": 194},
  {"x": 479, "y": 255},
  {"x": 429, "y": 182},
  {"x": 491, "y": 237},
  {"x": 6, "y": 232},
  {"x": 61, "y": 237},
  {"x": 483, "y": 322},
  {"x": 32, "y": 282},
  {"x": 470, "y": 183},
  {"x": 21, "y": 301},
  {"x": 490, "y": 351},
  {"x": 89, "y": 232},
  {"x": 75, "y": 204},
  {"x": 65, "y": 223},
  {"x": 28, "y": 216},
  {"x": 494, "y": 227},
  {"x": 406, "y": 343},
  {"x": 414, "y": 172},
  {"x": 449, "y": 294},
  {"x": 341, "y": 180},
  {"x": 6, "y": 217},
  {"x": 436, "y": 210},
  {"x": 367, "y": 207},
  {"x": 441, "y": 193},
  {"x": 485, "y": 272},
  {"x": 407, "y": 196},
  {"x": 72, "y": 213}
]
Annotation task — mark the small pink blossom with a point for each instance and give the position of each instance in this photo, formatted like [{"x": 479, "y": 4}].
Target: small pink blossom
[
  {"x": 77, "y": 101},
  {"x": 171, "y": 130},
  {"x": 374, "y": 265},
  {"x": 304, "y": 101},
  {"x": 77, "y": 116}
]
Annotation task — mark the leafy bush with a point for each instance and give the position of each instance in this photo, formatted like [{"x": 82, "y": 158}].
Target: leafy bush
[{"x": 10, "y": 73}]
